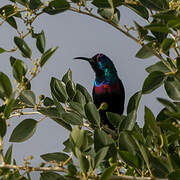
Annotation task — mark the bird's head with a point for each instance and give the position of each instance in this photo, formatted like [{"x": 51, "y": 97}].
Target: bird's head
[{"x": 101, "y": 64}]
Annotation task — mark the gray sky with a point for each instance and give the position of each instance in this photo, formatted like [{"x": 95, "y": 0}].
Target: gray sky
[{"x": 77, "y": 35}]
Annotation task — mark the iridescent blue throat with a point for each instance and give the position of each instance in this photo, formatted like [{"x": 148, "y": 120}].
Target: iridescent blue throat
[{"x": 110, "y": 77}]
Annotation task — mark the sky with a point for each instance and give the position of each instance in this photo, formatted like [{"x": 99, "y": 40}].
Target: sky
[{"x": 77, "y": 35}]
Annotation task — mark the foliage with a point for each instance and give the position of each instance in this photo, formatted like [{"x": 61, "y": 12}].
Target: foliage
[{"x": 152, "y": 150}]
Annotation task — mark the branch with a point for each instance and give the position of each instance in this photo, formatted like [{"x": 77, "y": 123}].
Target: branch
[{"x": 134, "y": 178}]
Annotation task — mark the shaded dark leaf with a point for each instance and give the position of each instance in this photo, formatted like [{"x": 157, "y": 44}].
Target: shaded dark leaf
[
  {"x": 8, "y": 155},
  {"x": 23, "y": 131},
  {"x": 3, "y": 127},
  {"x": 51, "y": 176},
  {"x": 67, "y": 76},
  {"x": 41, "y": 44},
  {"x": 159, "y": 66},
  {"x": 34, "y": 4},
  {"x": 108, "y": 172},
  {"x": 106, "y": 3}
]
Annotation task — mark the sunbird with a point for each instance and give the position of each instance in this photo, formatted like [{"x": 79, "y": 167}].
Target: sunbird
[{"x": 108, "y": 89}]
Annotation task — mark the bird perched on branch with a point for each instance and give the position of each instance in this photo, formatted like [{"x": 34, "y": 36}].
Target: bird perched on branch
[{"x": 108, "y": 88}]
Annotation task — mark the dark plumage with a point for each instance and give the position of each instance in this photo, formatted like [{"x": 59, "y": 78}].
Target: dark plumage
[{"x": 108, "y": 87}]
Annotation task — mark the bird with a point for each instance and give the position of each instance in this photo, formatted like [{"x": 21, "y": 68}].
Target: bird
[{"x": 108, "y": 88}]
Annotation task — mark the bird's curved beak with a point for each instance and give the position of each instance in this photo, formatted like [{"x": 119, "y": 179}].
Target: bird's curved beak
[{"x": 85, "y": 59}]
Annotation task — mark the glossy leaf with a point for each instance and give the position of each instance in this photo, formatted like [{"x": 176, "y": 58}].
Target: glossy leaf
[
  {"x": 107, "y": 14},
  {"x": 130, "y": 120},
  {"x": 114, "y": 118},
  {"x": 71, "y": 89},
  {"x": 34, "y": 4},
  {"x": 72, "y": 118},
  {"x": 19, "y": 70},
  {"x": 63, "y": 123},
  {"x": 168, "y": 104},
  {"x": 130, "y": 158},
  {"x": 5, "y": 86},
  {"x": 134, "y": 102},
  {"x": 41, "y": 42},
  {"x": 145, "y": 52},
  {"x": 67, "y": 76},
  {"x": 58, "y": 105},
  {"x": 28, "y": 97},
  {"x": 45, "y": 57},
  {"x": 77, "y": 107},
  {"x": 2, "y": 50},
  {"x": 158, "y": 28},
  {"x": 79, "y": 97},
  {"x": 155, "y": 5},
  {"x": 167, "y": 44},
  {"x": 3, "y": 127},
  {"x": 23, "y": 131},
  {"x": 172, "y": 87},
  {"x": 153, "y": 81},
  {"x": 51, "y": 176},
  {"x": 48, "y": 102},
  {"x": 58, "y": 89},
  {"x": 9, "y": 106},
  {"x": 139, "y": 9},
  {"x": 51, "y": 112},
  {"x": 100, "y": 155},
  {"x": 23, "y": 47},
  {"x": 84, "y": 91},
  {"x": 8, "y": 155},
  {"x": 92, "y": 114},
  {"x": 106, "y": 4},
  {"x": 56, "y": 6},
  {"x": 82, "y": 160},
  {"x": 159, "y": 66},
  {"x": 56, "y": 156}
]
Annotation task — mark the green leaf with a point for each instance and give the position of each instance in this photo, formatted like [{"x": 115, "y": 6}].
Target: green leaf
[
  {"x": 34, "y": 4},
  {"x": 139, "y": 9},
  {"x": 56, "y": 156},
  {"x": 107, "y": 14},
  {"x": 159, "y": 66},
  {"x": 56, "y": 6},
  {"x": 84, "y": 91},
  {"x": 114, "y": 118},
  {"x": 153, "y": 81},
  {"x": 155, "y": 5},
  {"x": 2, "y": 50},
  {"x": 174, "y": 175},
  {"x": 58, "y": 89},
  {"x": 67, "y": 76},
  {"x": 58, "y": 105},
  {"x": 100, "y": 155},
  {"x": 24, "y": 130},
  {"x": 108, "y": 172},
  {"x": 48, "y": 102},
  {"x": 41, "y": 42},
  {"x": 23, "y": 47},
  {"x": 3, "y": 127},
  {"x": 51, "y": 176},
  {"x": 130, "y": 159},
  {"x": 178, "y": 63},
  {"x": 80, "y": 98},
  {"x": 130, "y": 120},
  {"x": 62, "y": 123},
  {"x": 145, "y": 52},
  {"x": 5, "y": 86},
  {"x": 172, "y": 86},
  {"x": 82, "y": 160},
  {"x": 168, "y": 104},
  {"x": 8, "y": 155},
  {"x": 126, "y": 143},
  {"x": 158, "y": 28},
  {"x": 134, "y": 102},
  {"x": 78, "y": 137},
  {"x": 167, "y": 44},
  {"x": 12, "y": 22},
  {"x": 19, "y": 70},
  {"x": 150, "y": 121},
  {"x": 22, "y": 2},
  {"x": 92, "y": 114},
  {"x": 51, "y": 112},
  {"x": 101, "y": 139},
  {"x": 72, "y": 118},
  {"x": 77, "y": 107},
  {"x": 71, "y": 89},
  {"x": 72, "y": 171},
  {"x": 45, "y": 57},
  {"x": 141, "y": 31},
  {"x": 106, "y": 3},
  {"x": 28, "y": 97}
]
